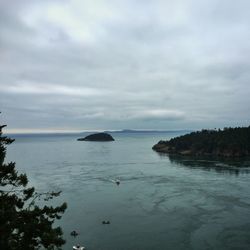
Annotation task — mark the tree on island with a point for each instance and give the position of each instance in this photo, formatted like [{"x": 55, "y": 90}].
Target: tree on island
[{"x": 23, "y": 223}]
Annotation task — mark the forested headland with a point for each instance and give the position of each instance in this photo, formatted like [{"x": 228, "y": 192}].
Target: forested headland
[{"x": 228, "y": 142}]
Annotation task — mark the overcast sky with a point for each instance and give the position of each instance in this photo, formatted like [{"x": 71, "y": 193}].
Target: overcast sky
[{"x": 139, "y": 64}]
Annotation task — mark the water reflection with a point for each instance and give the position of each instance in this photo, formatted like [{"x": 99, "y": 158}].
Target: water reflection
[{"x": 220, "y": 165}]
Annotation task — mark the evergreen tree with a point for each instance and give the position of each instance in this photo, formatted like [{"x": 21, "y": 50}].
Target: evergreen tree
[{"x": 24, "y": 224}]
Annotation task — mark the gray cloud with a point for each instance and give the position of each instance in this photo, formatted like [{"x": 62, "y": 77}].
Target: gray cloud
[{"x": 124, "y": 64}]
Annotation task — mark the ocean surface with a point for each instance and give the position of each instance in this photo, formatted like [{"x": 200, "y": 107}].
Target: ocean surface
[{"x": 161, "y": 203}]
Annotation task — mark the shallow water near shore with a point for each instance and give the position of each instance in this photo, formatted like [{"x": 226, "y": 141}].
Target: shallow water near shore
[{"x": 161, "y": 203}]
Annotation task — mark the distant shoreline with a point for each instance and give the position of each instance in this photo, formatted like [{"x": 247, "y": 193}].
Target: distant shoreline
[{"x": 125, "y": 131}]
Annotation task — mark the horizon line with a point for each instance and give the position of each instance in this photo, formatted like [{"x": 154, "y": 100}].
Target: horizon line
[{"x": 73, "y": 131}]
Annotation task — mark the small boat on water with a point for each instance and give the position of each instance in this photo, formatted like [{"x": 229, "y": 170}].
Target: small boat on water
[
  {"x": 105, "y": 222},
  {"x": 78, "y": 247},
  {"x": 116, "y": 181},
  {"x": 74, "y": 233}
]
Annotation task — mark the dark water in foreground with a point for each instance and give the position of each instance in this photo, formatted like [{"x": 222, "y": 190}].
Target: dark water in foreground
[{"x": 162, "y": 203}]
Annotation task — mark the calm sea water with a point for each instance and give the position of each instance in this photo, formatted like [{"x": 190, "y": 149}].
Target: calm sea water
[{"x": 161, "y": 203}]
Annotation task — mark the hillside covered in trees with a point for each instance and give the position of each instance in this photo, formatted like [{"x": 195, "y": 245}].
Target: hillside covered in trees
[{"x": 229, "y": 142}]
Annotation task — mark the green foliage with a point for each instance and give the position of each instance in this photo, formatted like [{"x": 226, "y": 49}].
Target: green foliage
[
  {"x": 231, "y": 142},
  {"x": 24, "y": 224}
]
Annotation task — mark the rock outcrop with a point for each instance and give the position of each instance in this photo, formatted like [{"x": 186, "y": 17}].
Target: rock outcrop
[{"x": 97, "y": 137}]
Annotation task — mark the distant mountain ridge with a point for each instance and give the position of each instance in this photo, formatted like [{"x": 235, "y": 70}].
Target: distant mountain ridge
[{"x": 145, "y": 131}]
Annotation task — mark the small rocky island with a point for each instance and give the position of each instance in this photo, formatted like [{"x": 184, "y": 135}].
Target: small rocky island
[
  {"x": 97, "y": 137},
  {"x": 229, "y": 142}
]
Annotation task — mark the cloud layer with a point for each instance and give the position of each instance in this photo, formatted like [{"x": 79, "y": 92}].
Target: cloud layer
[{"x": 158, "y": 64}]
